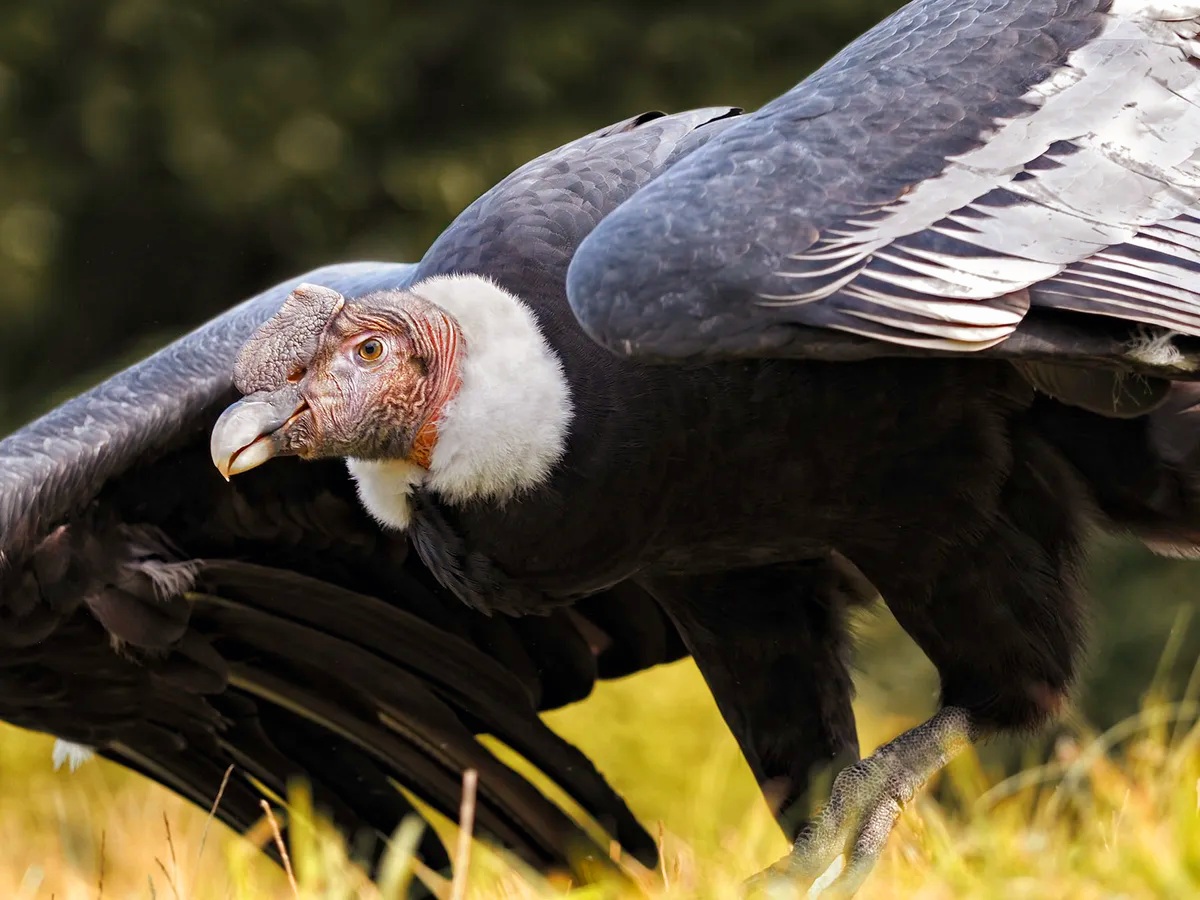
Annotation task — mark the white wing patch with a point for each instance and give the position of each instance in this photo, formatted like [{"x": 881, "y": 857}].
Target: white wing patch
[
  {"x": 1085, "y": 201},
  {"x": 1154, "y": 277}
]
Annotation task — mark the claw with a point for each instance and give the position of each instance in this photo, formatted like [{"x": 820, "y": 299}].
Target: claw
[
  {"x": 829, "y": 876},
  {"x": 782, "y": 884},
  {"x": 834, "y": 855}
]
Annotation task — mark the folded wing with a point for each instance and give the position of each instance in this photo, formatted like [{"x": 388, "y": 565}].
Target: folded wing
[{"x": 960, "y": 166}]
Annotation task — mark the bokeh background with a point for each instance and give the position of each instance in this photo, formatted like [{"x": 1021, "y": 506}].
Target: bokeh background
[{"x": 160, "y": 160}]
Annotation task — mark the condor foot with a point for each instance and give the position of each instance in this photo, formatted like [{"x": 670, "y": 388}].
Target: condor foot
[{"x": 834, "y": 854}]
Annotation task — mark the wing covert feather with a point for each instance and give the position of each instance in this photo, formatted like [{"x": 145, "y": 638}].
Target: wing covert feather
[{"x": 958, "y": 166}]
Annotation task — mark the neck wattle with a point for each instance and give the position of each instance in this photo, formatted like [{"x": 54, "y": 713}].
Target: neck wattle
[{"x": 442, "y": 347}]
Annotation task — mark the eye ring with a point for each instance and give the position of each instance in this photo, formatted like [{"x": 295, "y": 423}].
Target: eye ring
[{"x": 371, "y": 350}]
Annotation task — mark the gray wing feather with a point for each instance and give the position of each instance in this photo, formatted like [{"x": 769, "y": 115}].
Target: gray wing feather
[
  {"x": 59, "y": 462},
  {"x": 959, "y": 165},
  {"x": 540, "y": 212}
]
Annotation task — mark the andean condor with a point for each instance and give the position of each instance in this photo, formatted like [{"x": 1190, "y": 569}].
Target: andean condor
[{"x": 912, "y": 327}]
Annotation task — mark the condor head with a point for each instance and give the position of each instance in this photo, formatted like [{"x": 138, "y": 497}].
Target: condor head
[
  {"x": 326, "y": 378},
  {"x": 448, "y": 383}
]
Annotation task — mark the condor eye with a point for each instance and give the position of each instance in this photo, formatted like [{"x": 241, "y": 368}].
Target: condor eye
[{"x": 370, "y": 350}]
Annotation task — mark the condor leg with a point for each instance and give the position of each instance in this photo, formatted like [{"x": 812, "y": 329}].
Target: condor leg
[
  {"x": 866, "y": 800},
  {"x": 1002, "y": 622},
  {"x": 770, "y": 643}
]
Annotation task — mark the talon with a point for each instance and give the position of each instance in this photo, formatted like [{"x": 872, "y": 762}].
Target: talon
[{"x": 829, "y": 876}]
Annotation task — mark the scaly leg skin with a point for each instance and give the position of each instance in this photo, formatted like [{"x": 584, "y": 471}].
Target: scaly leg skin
[{"x": 865, "y": 802}]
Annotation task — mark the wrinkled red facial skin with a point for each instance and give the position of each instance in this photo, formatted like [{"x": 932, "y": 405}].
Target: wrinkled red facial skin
[{"x": 383, "y": 408}]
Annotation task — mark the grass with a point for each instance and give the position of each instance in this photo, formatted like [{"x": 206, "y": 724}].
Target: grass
[{"x": 1108, "y": 815}]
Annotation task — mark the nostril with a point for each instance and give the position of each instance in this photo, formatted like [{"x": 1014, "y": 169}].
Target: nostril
[{"x": 295, "y": 377}]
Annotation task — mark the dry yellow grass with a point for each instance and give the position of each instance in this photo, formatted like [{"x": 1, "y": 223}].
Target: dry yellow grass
[{"x": 1112, "y": 816}]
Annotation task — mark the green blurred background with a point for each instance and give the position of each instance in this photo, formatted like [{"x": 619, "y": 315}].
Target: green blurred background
[{"x": 163, "y": 159}]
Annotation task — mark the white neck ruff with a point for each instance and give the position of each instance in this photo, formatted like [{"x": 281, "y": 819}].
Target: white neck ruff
[{"x": 507, "y": 426}]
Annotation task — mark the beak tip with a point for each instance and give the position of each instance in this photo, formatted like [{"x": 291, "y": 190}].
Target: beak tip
[
  {"x": 246, "y": 434},
  {"x": 245, "y": 458},
  {"x": 222, "y": 462}
]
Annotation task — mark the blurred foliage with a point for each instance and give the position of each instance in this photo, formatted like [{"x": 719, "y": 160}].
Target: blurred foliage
[{"x": 162, "y": 159}]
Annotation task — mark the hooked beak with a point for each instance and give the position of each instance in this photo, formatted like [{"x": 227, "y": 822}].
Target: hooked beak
[{"x": 254, "y": 430}]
